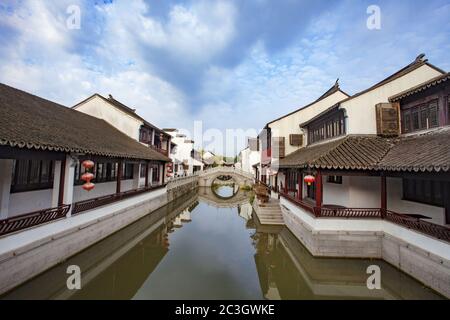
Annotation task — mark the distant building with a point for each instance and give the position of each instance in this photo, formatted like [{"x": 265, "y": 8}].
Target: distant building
[
  {"x": 247, "y": 159},
  {"x": 186, "y": 160}
]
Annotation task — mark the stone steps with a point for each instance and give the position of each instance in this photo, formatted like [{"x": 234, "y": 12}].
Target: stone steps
[{"x": 269, "y": 213}]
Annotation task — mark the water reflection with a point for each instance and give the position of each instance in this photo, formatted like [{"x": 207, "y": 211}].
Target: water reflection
[
  {"x": 206, "y": 247},
  {"x": 288, "y": 271}
]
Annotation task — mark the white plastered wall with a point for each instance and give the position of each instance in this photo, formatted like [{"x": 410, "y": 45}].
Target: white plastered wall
[
  {"x": 99, "y": 108},
  {"x": 360, "y": 111},
  {"x": 364, "y": 192},
  {"x": 290, "y": 124}
]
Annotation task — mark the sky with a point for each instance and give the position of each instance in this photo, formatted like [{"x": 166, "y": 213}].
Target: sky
[{"x": 233, "y": 65}]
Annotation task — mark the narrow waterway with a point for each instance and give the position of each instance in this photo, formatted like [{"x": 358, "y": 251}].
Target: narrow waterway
[{"x": 205, "y": 246}]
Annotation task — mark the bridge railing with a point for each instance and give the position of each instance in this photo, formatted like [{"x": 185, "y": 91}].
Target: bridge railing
[
  {"x": 226, "y": 170},
  {"x": 175, "y": 182}
]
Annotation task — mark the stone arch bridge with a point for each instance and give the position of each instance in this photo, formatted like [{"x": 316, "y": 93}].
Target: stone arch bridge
[
  {"x": 208, "y": 196},
  {"x": 207, "y": 177}
]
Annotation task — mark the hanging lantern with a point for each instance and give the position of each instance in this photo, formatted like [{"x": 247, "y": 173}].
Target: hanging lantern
[
  {"x": 88, "y": 186},
  {"x": 87, "y": 164},
  {"x": 87, "y": 177},
  {"x": 309, "y": 179}
]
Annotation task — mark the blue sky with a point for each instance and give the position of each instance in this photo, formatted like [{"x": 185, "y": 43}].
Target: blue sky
[{"x": 231, "y": 64}]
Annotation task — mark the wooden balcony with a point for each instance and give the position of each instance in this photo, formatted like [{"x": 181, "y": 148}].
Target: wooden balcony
[
  {"x": 32, "y": 219},
  {"x": 90, "y": 204},
  {"x": 36, "y": 218},
  {"x": 404, "y": 220},
  {"x": 160, "y": 150}
]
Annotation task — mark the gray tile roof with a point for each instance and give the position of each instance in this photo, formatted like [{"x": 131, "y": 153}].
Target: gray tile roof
[
  {"x": 349, "y": 152},
  {"x": 28, "y": 121},
  {"x": 421, "y": 152}
]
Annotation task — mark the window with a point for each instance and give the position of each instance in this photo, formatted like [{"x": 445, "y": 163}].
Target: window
[
  {"x": 425, "y": 191},
  {"x": 143, "y": 170},
  {"x": 155, "y": 174},
  {"x": 311, "y": 191},
  {"x": 31, "y": 175},
  {"x": 415, "y": 119},
  {"x": 128, "y": 171},
  {"x": 420, "y": 117},
  {"x": 145, "y": 135},
  {"x": 291, "y": 180},
  {"x": 103, "y": 172},
  {"x": 407, "y": 121},
  {"x": 448, "y": 110},
  {"x": 334, "y": 179},
  {"x": 327, "y": 127}
]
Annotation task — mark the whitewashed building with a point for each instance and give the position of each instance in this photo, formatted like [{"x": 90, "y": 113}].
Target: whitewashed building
[
  {"x": 248, "y": 158},
  {"x": 371, "y": 176},
  {"x": 186, "y": 161},
  {"x": 42, "y": 145},
  {"x": 126, "y": 120}
]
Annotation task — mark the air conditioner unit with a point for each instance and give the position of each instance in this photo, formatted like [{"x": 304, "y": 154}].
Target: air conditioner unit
[{"x": 388, "y": 119}]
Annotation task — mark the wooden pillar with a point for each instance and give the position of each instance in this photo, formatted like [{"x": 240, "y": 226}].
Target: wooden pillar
[
  {"x": 319, "y": 189},
  {"x": 300, "y": 185},
  {"x": 119, "y": 176},
  {"x": 146, "y": 174},
  {"x": 163, "y": 173},
  {"x": 6, "y": 168},
  {"x": 286, "y": 181},
  {"x": 62, "y": 178},
  {"x": 383, "y": 195}
]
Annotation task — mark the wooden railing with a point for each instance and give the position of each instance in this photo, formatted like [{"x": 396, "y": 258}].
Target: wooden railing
[
  {"x": 160, "y": 150},
  {"x": 302, "y": 204},
  {"x": 348, "y": 212},
  {"x": 435, "y": 230},
  {"x": 431, "y": 229},
  {"x": 32, "y": 219},
  {"x": 89, "y": 204}
]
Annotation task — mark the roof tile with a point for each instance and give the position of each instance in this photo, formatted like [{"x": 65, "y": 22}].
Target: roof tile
[{"x": 28, "y": 121}]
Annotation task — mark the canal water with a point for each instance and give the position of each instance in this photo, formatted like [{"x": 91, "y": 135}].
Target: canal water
[{"x": 206, "y": 245}]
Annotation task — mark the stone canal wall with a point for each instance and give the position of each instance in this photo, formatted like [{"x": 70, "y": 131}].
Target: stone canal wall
[
  {"x": 180, "y": 186},
  {"x": 26, "y": 254},
  {"x": 422, "y": 257}
]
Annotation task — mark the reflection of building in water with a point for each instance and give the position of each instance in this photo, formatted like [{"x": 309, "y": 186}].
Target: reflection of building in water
[
  {"x": 245, "y": 211},
  {"x": 116, "y": 267},
  {"x": 177, "y": 222},
  {"x": 288, "y": 271},
  {"x": 186, "y": 216}
]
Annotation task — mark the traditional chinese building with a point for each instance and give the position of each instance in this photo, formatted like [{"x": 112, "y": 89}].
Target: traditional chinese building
[
  {"x": 42, "y": 145},
  {"x": 400, "y": 165},
  {"x": 372, "y": 178},
  {"x": 126, "y": 120},
  {"x": 186, "y": 160}
]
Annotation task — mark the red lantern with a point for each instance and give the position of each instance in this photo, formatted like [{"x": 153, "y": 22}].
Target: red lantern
[
  {"x": 309, "y": 179},
  {"x": 87, "y": 177},
  {"x": 88, "y": 186},
  {"x": 87, "y": 164}
]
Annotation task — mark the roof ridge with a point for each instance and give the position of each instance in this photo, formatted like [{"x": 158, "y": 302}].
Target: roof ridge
[{"x": 335, "y": 88}]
